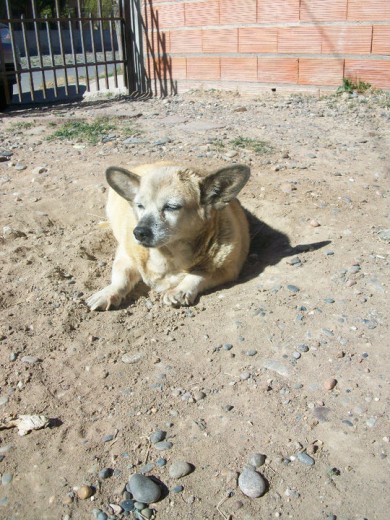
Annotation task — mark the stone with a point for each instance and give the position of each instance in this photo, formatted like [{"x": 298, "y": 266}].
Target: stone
[
  {"x": 293, "y": 288},
  {"x": 147, "y": 513},
  {"x": 131, "y": 359},
  {"x": 251, "y": 483},
  {"x": 179, "y": 469},
  {"x": 85, "y": 492},
  {"x": 276, "y": 366},
  {"x": 6, "y": 478},
  {"x": 305, "y": 458},
  {"x": 105, "y": 473},
  {"x": 127, "y": 505},
  {"x": 157, "y": 436},
  {"x": 30, "y": 360},
  {"x": 163, "y": 445},
  {"x": 329, "y": 384},
  {"x": 161, "y": 462},
  {"x": 177, "y": 489},
  {"x": 257, "y": 459},
  {"x": 144, "y": 489}
]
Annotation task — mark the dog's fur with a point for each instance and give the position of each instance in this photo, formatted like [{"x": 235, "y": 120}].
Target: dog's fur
[{"x": 180, "y": 230}]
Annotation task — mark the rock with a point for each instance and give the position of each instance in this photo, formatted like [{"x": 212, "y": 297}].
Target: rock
[
  {"x": 146, "y": 468},
  {"x": 321, "y": 413},
  {"x": 38, "y": 170},
  {"x": 101, "y": 516},
  {"x": 161, "y": 462},
  {"x": 140, "y": 505},
  {"x": 227, "y": 346},
  {"x": 329, "y": 384},
  {"x": 303, "y": 348},
  {"x": 105, "y": 473},
  {"x": 144, "y": 489},
  {"x": 293, "y": 288},
  {"x": 108, "y": 438},
  {"x": 296, "y": 355},
  {"x": 251, "y": 483},
  {"x": 163, "y": 445},
  {"x": 198, "y": 395},
  {"x": 147, "y": 513},
  {"x": 228, "y": 407},
  {"x": 314, "y": 223},
  {"x": 85, "y": 492},
  {"x": 276, "y": 366},
  {"x": 3, "y": 400},
  {"x": 132, "y": 358},
  {"x": 127, "y": 505},
  {"x": 251, "y": 352},
  {"x": 177, "y": 489},
  {"x": 231, "y": 153},
  {"x": 20, "y": 166},
  {"x": 180, "y": 469},
  {"x": 329, "y": 300},
  {"x": 384, "y": 235},
  {"x": 257, "y": 459},
  {"x": 30, "y": 360},
  {"x": 294, "y": 261},
  {"x": 157, "y": 436},
  {"x": 6, "y": 478},
  {"x": 305, "y": 458}
]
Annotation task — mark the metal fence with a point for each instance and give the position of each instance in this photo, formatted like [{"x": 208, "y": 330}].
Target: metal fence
[{"x": 47, "y": 58}]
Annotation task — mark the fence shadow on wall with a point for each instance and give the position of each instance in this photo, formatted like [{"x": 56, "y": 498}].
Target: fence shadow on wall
[{"x": 158, "y": 63}]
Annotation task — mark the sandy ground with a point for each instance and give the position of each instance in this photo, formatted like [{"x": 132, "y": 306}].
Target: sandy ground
[{"x": 322, "y": 195}]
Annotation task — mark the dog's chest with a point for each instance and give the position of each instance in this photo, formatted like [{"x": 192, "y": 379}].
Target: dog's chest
[{"x": 161, "y": 272}]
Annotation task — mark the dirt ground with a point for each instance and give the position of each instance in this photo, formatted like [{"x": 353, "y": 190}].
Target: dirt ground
[{"x": 312, "y": 305}]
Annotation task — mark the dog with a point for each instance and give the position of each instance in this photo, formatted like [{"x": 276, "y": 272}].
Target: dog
[{"x": 180, "y": 230}]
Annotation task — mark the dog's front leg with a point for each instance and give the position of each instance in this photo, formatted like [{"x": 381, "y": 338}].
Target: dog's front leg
[
  {"x": 124, "y": 277},
  {"x": 186, "y": 291}
]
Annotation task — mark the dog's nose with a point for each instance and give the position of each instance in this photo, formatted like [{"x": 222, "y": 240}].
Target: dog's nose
[{"x": 142, "y": 233}]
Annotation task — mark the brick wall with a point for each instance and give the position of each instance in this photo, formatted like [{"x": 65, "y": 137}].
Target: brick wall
[{"x": 257, "y": 44}]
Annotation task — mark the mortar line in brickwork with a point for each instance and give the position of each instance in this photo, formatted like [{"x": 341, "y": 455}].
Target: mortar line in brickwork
[{"x": 273, "y": 55}]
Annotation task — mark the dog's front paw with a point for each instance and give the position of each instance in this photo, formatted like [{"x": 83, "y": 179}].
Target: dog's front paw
[
  {"x": 105, "y": 299},
  {"x": 179, "y": 298}
]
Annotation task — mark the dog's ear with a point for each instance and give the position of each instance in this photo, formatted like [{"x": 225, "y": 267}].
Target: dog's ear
[
  {"x": 125, "y": 183},
  {"x": 220, "y": 187}
]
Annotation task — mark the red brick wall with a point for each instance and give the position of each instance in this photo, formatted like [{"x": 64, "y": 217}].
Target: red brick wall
[{"x": 256, "y": 44}]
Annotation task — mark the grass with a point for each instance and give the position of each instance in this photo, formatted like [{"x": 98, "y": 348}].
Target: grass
[
  {"x": 350, "y": 86},
  {"x": 92, "y": 131},
  {"x": 21, "y": 125},
  {"x": 255, "y": 145},
  {"x": 83, "y": 131}
]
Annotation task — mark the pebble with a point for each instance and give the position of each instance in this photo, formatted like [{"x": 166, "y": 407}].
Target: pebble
[
  {"x": 3, "y": 501},
  {"x": 276, "y": 366},
  {"x": 294, "y": 261},
  {"x": 329, "y": 300},
  {"x": 147, "y": 513},
  {"x": 257, "y": 459},
  {"x": 251, "y": 483},
  {"x": 105, "y": 473},
  {"x": 163, "y": 445},
  {"x": 384, "y": 235},
  {"x": 30, "y": 360},
  {"x": 296, "y": 355},
  {"x": 329, "y": 384},
  {"x": 244, "y": 376},
  {"x": 101, "y": 516},
  {"x": 227, "y": 346},
  {"x": 305, "y": 458},
  {"x": 303, "y": 348},
  {"x": 85, "y": 492},
  {"x": 146, "y": 468},
  {"x": 293, "y": 288},
  {"x": 20, "y": 166},
  {"x": 314, "y": 223},
  {"x": 144, "y": 489},
  {"x": 251, "y": 352},
  {"x": 329, "y": 253},
  {"x": 3, "y": 400},
  {"x": 228, "y": 407},
  {"x": 140, "y": 505},
  {"x": 127, "y": 505},
  {"x": 180, "y": 469},
  {"x": 177, "y": 489},
  {"x": 198, "y": 395},
  {"x": 157, "y": 436},
  {"x": 161, "y": 462},
  {"x": 6, "y": 478},
  {"x": 108, "y": 438},
  {"x": 131, "y": 359}
]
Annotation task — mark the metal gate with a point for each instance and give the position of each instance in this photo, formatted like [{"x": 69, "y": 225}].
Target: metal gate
[{"x": 62, "y": 54}]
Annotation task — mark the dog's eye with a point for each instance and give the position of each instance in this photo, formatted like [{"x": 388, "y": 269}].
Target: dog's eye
[
  {"x": 140, "y": 206},
  {"x": 172, "y": 207}
]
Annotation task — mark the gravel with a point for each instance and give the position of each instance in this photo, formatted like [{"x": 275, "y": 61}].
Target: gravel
[{"x": 305, "y": 458}]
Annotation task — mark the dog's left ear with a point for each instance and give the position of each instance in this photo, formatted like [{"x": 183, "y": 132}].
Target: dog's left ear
[
  {"x": 222, "y": 186},
  {"x": 125, "y": 183}
]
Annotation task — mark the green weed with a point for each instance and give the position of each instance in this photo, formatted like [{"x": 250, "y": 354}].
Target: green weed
[
  {"x": 82, "y": 131},
  {"x": 350, "y": 86},
  {"x": 257, "y": 146}
]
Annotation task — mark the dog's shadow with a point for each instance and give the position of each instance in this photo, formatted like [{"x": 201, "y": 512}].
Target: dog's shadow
[{"x": 269, "y": 246}]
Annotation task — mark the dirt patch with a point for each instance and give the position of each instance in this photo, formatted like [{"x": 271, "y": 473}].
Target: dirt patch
[{"x": 246, "y": 370}]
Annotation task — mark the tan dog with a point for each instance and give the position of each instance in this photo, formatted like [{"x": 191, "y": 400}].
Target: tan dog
[{"x": 179, "y": 230}]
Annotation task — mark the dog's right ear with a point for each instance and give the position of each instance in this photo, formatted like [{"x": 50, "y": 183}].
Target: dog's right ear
[{"x": 125, "y": 183}]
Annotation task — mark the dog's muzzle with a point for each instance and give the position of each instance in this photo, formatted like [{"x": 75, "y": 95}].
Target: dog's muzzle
[{"x": 144, "y": 235}]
